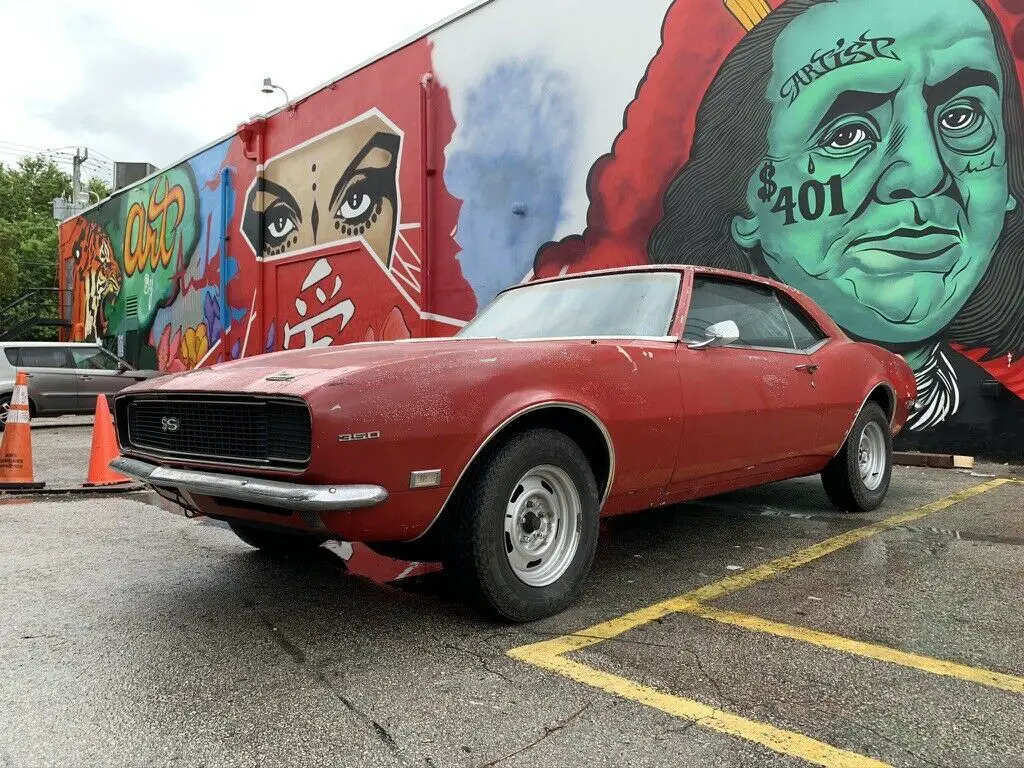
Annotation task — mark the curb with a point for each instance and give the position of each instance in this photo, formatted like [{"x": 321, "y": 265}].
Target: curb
[
  {"x": 75, "y": 490},
  {"x": 36, "y": 427}
]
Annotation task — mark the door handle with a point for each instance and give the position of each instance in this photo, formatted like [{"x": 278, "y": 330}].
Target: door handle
[
  {"x": 83, "y": 377},
  {"x": 809, "y": 367}
]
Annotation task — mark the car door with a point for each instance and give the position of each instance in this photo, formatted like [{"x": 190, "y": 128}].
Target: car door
[
  {"x": 52, "y": 383},
  {"x": 99, "y": 373},
  {"x": 750, "y": 407}
]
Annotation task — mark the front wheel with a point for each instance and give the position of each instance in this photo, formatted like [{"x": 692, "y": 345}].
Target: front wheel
[
  {"x": 5, "y": 406},
  {"x": 857, "y": 478},
  {"x": 275, "y": 542},
  {"x": 524, "y": 531}
]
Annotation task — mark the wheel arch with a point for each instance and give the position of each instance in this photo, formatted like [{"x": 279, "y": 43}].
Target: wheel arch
[
  {"x": 884, "y": 395},
  {"x": 575, "y": 421}
]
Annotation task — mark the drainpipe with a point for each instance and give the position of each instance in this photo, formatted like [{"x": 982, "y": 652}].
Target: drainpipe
[
  {"x": 225, "y": 316},
  {"x": 427, "y": 170},
  {"x": 253, "y": 148}
]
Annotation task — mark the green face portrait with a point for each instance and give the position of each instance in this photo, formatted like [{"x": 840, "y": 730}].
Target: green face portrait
[{"x": 884, "y": 190}]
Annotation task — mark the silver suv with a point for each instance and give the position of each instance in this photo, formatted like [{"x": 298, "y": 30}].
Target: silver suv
[{"x": 64, "y": 378}]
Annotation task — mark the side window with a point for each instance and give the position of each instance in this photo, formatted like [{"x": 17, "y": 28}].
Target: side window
[
  {"x": 806, "y": 332},
  {"x": 753, "y": 308},
  {"x": 94, "y": 359},
  {"x": 12, "y": 355},
  {"x": 45, "y": 357}
]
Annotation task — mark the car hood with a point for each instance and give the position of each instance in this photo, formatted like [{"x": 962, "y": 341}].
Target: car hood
[{"x": 299, "y": 372}]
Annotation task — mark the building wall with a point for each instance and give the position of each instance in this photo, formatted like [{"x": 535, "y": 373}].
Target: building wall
[{"x": 868, "y": 152}]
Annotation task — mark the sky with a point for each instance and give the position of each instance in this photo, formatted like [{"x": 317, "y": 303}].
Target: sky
[{"x": 151, "y": 81}]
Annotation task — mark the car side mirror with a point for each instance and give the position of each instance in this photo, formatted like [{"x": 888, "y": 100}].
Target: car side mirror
[{"x": 719, "y": 335}]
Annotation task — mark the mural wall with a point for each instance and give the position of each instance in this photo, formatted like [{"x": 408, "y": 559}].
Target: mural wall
[{"x": 867, "y": 152}]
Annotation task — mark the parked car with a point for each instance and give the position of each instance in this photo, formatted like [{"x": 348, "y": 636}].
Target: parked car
[
  {"x": 64, "y": 378},
  {"x": 498, "y": 450}
]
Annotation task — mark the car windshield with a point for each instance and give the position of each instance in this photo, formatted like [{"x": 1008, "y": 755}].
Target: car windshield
[{"x": 623, "y": 305}]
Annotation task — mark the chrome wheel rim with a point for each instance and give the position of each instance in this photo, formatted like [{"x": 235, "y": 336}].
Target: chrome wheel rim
[
  {"x": 4, "y": 408},
  {"x": 542, "y": 526},
  {"x": 871, "y": 456}
]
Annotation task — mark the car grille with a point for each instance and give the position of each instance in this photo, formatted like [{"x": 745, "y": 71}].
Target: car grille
[{"x": 258, "y": 432}]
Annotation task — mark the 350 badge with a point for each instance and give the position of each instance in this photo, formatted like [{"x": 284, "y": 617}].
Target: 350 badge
[{"x": 356, "y": 436}]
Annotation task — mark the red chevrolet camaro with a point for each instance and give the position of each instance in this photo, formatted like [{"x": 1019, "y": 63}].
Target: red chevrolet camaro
[{"x": 498, "y": 450}]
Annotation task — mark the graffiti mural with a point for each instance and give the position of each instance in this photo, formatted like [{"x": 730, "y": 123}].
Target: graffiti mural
[
  {"x": 97, "y": 278},
  {"x": 147, "y": 266},
  {"x": 339, "y": 187},
  {"x": 868, "y": 156},
  {"x": 867, "y": 152},
  {"x": 328, "y": 214}
]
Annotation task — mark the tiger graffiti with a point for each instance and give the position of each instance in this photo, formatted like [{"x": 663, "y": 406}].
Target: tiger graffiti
[{"x": 97, "y": 278}]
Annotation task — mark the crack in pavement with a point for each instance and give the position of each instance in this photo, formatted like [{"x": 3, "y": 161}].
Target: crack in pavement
[
  {"x": 603, "y": 639},
  {"x": 299, "y": 657},
  {"x": 548, "y": 731},
  {"x": 478, "y": 656},
  {"x": 844, "y": 716},
  {"x": 897, "y": 744},
  {"x": 710, "y": 678}
]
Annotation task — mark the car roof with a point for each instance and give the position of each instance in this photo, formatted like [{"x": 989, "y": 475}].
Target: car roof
[
  {"x": 61, "y": 344},
  {"x": 808, "y": 304},
  {"x": 679, "y": 268}
]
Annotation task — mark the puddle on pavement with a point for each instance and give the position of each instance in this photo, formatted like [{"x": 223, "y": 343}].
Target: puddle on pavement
[{"x": 984, "y": 538}]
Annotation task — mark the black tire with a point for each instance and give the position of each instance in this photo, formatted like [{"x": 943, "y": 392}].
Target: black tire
[
  {"x": 275, "y": 542},
  {"x": 474, "y": 542},
  {"x": 5, "y": 403},
  {"x": 842, "y": 476}
]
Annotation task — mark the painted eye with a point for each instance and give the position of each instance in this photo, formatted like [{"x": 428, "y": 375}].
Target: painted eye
[
  {"x": 280, "y": 226},
  {"x": 965, "y": 128},
  {"x": 355, "y": 204},
  {"x": 959, "y": 119},
  {"x": 847, "y": 137},
  {"x": 280, "y": 223},
  {"x": 78, "y": 253}
]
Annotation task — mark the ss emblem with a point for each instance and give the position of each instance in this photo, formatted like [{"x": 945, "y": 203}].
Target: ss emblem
[{"x": 169, "y": 424}]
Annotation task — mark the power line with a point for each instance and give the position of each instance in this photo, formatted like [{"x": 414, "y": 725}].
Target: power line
[{"x": 22, "y": 146}]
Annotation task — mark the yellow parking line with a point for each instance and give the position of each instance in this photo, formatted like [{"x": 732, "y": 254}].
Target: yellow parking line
[
  {"x": 777, "y": 739},
  {"x": 617, "y": 626},
  {"x": 550, "y": 654},
  {"x": 858, "y": 648}
]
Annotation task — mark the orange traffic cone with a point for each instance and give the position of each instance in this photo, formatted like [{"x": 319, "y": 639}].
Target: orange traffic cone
[
  {"x": 16, "y": 449},
  {"x": 104, "y": 449}
]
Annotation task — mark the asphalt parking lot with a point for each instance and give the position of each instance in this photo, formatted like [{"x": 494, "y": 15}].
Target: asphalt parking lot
[{"x": 758, "y": 628}]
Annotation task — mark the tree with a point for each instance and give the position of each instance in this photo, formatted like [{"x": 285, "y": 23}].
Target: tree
[
  {"x": 98, "y": 190},
  {"x": 29, "y": 189},
  {"x": 28, "y": 233}
]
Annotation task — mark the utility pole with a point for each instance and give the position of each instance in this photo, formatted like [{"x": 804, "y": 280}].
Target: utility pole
[{"x": 77, "y": 190}]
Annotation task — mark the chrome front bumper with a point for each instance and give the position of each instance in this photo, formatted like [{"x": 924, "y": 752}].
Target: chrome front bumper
[{"x": 273, "y": 493}]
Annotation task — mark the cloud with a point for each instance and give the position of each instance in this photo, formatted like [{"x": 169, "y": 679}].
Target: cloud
[
  {"x": 120, "y": 97},
  {"x": 154, "y": 82}
]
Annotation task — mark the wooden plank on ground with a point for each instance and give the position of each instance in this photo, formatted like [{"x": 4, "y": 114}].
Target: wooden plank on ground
[{"x": 937, "y": 460}]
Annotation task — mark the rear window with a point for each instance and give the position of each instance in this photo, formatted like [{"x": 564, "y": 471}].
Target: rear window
[
  {"x": 45, "y": 357},
  {"x": 12, "y": 355}
]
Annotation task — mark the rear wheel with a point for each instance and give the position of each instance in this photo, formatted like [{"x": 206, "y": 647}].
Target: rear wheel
[
  {"x": 857, "y": 478},
  {"x": 274, "y": 541},
  {"x": 5, "y": 405},
  {"x": 524, "y": 531}
]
